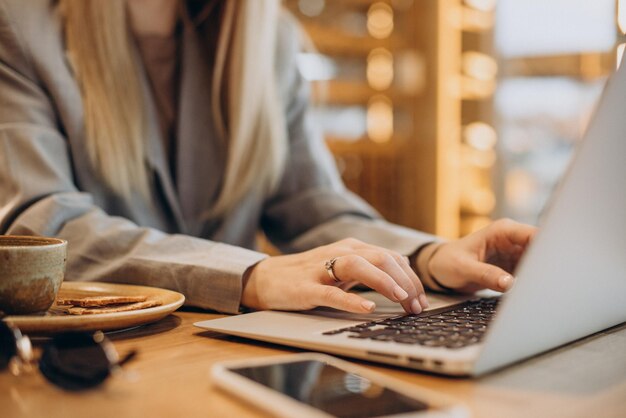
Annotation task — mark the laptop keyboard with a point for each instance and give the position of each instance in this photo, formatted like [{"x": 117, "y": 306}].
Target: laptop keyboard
[{"x": 453, "y": 327}]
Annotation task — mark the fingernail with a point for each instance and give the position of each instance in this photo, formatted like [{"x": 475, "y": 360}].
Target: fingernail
[
  {"x": 368, "y": 305},
  {"x": 505, "y": 282},
  {"x": 400, "y": 293},
  {"x": 415, "y": 306},
  {"x": 423, "y": 301}
]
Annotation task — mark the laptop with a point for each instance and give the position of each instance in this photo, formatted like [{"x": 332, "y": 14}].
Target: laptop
[{"x": 570, "y": 283}]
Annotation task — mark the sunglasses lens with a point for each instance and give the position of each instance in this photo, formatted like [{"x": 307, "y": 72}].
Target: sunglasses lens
[
  {"x": 8, "y": 350},
  {"x": 74, "y": 361}
]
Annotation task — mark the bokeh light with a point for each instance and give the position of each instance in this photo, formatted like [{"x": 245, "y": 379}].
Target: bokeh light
[{"x": 380, "y": 20}]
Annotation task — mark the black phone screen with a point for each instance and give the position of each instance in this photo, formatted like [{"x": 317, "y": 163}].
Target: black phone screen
[{"x": 331, "y": 389}]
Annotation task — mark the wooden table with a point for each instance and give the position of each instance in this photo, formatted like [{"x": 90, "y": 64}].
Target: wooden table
[{"x": 170, "y": 378}]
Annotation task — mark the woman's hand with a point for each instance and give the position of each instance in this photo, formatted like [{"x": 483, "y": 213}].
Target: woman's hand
[
  {"x": 484, "y": 259},
  {"x": 300, "y": 281}
]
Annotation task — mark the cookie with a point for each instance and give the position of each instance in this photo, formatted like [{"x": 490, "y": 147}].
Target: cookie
[
  {"x": 76, "y": 310},
  {"x": 100, "y": 301}
]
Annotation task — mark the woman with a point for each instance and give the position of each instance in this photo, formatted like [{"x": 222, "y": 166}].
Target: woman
[{"x": 158, "y": 136}]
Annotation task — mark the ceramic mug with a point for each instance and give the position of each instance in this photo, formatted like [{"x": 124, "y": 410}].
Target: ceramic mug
[{"x": 31, "y": 272}]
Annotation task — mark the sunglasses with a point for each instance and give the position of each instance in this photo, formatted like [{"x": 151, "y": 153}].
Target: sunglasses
[{"x": 72, "y": 360}]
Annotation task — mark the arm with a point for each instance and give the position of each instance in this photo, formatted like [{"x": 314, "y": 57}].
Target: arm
[{"x": 38, "y": 196}]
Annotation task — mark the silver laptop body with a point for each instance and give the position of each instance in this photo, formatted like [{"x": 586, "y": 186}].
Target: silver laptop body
[{"x": 571, "y": 282}]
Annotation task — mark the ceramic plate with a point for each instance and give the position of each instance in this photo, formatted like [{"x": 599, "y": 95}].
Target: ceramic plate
[{"x": 56, "y": 320}]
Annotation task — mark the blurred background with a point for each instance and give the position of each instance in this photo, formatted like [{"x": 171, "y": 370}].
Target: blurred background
[{"x": 446, "y": 114}]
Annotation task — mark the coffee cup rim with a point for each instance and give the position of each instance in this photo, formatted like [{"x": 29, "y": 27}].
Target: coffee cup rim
[{"x": 30, "y": 241}]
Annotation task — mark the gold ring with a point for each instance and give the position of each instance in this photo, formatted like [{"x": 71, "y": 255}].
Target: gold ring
[{"x": 329, "y": 265}]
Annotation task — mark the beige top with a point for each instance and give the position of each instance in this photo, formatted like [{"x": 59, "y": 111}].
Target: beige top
[
  {"x": 160, "y": 55},
  {"x": 48, "y": 185}
]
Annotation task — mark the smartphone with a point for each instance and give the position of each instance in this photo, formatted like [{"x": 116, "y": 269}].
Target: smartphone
[{"x": 311, "y": 385}]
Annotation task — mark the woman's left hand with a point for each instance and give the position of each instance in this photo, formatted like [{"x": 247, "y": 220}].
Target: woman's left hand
[{"x": 483, "y": 259}]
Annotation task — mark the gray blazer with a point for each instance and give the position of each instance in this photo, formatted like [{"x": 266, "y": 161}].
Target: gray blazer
[{"x": 49, "y": 187}]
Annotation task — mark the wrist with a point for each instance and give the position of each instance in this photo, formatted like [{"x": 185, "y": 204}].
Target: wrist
[
  {"x": 249, "y": 296},
  {"x": 422, "y": 267}
]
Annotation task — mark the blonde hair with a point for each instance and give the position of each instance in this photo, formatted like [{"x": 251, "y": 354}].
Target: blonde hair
[{"x": 245, "y": 101}]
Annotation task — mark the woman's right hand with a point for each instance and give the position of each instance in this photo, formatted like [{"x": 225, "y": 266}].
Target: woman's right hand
[{"x": 300, "y": 281}]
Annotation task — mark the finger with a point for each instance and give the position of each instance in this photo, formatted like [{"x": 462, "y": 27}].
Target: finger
[
  {"x": 419, "y": 287},
  {"x": 420, "y": 294},
  {"x": 488, "y": 276},
  {"x": 357, "y": 268},
  {"x": 514, "y": 232},
  {"x": 333, "y": 297},
  {"x": 398, "y": 268}
]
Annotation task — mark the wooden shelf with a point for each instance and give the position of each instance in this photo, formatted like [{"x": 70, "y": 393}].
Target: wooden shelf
[
  {"x": 335, "y": 42},
  {"x": 350, "y": 93},
  {"x": 365, "y": 146},
  {"x": 586, "y": 66}
]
